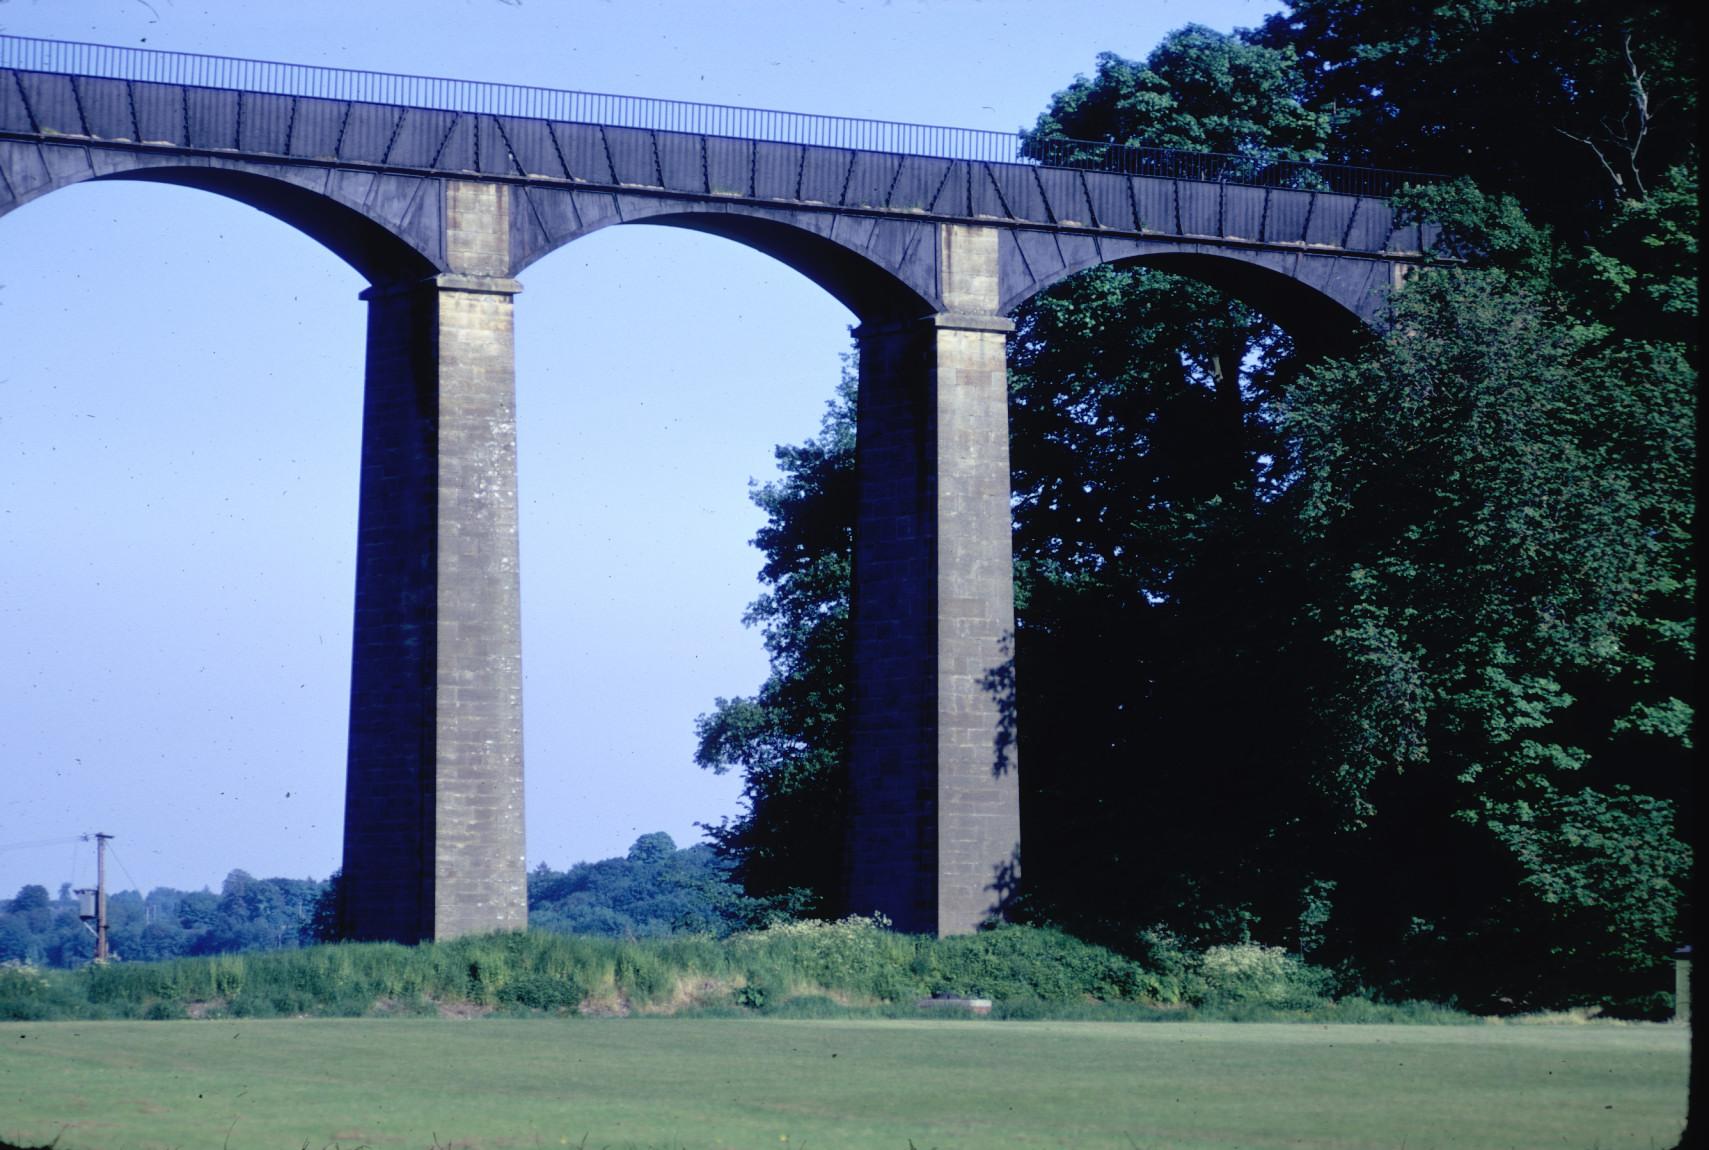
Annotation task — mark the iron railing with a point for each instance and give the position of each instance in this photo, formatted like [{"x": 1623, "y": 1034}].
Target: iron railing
[
  {"x": 26, "y": 53},
  {"x": 1217, "y": 167}
]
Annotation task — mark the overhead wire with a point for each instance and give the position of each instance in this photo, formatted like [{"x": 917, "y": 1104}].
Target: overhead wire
[
  {"x": 135, "y": 885},
  {"x": 53, "y": 842},
  {"x": 73, "y": 869}
]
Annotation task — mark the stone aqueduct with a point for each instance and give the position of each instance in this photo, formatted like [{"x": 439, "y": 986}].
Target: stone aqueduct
[{"x": 441, "y": 194}]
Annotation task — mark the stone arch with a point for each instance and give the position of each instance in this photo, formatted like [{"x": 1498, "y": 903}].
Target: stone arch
[
  {"x": 385, "y": 231},
  {"x": 882, "y": 270},
  {"x": 1324, "y": 300}
]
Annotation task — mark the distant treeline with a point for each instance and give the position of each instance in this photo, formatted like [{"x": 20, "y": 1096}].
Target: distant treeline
[
  {"x": 246, "y": 913},
  {"x": 654, "y": 890}
]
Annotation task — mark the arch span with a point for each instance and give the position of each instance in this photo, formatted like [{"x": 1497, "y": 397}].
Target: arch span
[
  {"x": 880, "y": 269},
  {"x": 1315, "y": 318},
  {"x": 1324, "y": 299},
  {"x": 385, "y": 227}
]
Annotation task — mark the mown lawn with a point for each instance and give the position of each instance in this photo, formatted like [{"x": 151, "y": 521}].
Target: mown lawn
[{"x": 705, "y": 1083}]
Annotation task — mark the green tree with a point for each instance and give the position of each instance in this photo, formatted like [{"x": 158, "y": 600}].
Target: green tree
[
  {"x": 32, "y": 909},
  {"x": 1153, "y": 588},
  {"x": 327, "y": 921},
  {"x": 790, "y": 740},
  {"x": 1567, "y": 104},
  {"x": 650, "y": 850},
  {"x": 1482, "y": 559},
  {"x": 655, "y": 889},
  {"x": 31, "y": 896},
  {"x": 1598, "y": 896},
  {"x": 1199, "y": 91},
  {"x": 17, "y": 944}
]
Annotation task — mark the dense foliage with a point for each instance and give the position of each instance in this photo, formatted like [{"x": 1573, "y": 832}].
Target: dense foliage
[
  {"x": 1383, "y": 657},
  {"x": 653, "y": 890},
  {"x": 1569, "y": 105}
]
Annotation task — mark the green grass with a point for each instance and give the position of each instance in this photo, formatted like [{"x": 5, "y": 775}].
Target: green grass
[{"x": 702, "y": 1083}]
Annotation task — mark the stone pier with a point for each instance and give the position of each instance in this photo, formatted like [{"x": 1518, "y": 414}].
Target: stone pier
[
  {"x": 934, "y": 830},
  {"x": 433, "y": 840}
]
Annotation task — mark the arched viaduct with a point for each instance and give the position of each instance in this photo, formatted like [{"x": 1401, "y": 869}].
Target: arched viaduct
[{"x": 440, "y": 201}]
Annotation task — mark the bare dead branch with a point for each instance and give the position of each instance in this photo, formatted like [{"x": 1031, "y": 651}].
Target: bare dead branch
[
  {"x": 1629, "y": 133},
  {"x": 1641, "y": 102},
  {"x": 1619, "y": 182}
]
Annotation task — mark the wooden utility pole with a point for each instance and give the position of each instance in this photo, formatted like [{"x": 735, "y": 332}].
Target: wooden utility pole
[{"x": 101, "y": 896}]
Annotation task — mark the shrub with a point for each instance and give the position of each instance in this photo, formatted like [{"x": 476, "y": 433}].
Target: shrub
[
  {"x": 161, "y": 1010},
  {"x": 1247, "y": 974},
  {"x": 856, "y": 955},
  {"x": 543, "y": 992},
  {"x": 532, "y": 970},
  {"x": 643, "y": 977},
  {"x": 1023, "y": 962},
  {"x": 764, "y": 985},
  {"x": 28, "y": 992}
]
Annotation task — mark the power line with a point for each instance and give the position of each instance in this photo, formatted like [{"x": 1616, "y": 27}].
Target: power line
[
  {"x": 135, "y": 885},
  {"x": 34, "y": 843},
  {"x": 76, "y": 858}
]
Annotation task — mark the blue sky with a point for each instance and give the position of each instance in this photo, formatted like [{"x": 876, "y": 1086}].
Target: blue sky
[{"x": 180, "y": 390}]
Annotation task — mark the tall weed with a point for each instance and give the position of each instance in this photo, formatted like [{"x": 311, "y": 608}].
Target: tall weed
[{"x": 799, "y": 968}]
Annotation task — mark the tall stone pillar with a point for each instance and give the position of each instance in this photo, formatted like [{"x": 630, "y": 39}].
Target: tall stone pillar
[
  {"x": 934, "y": 830},
  {"x": 433, "y": 806}
]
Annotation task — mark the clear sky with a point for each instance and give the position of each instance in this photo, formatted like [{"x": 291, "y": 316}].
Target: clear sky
[{"x": 180, "y": 403}]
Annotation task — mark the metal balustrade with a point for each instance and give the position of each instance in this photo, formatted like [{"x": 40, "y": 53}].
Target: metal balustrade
[{"x": 25, "y": 53}]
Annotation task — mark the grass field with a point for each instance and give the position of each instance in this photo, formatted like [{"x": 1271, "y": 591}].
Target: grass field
[{"x": 705, "y": 1083}]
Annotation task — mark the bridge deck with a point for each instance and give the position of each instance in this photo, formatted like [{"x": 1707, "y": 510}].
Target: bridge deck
[{"x": 210, "y": 122}]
